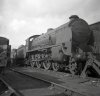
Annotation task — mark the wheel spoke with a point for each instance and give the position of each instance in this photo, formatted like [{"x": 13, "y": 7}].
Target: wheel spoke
[
  {"x": 46, "y": 65},
  {"x": 38, "y": 64},
  {"x": 55, "y": 66},
  {"x": 32, "y": 64}
]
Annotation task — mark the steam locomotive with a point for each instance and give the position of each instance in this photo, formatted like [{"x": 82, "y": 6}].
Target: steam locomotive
[
  {"x": 54, "y": 50},
  {"x": 18, "y": 56},
  {"x": 5, "y": 50}
]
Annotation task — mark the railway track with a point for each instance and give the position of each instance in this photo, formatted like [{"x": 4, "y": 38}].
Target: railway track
[
  {"x": 19, "y": 84},
  {"x": 22, "y": 84},
  {"x": 72, "y": 86}
]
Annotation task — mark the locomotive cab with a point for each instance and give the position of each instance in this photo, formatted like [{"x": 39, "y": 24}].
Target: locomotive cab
[{"x": 29, "y": 42}]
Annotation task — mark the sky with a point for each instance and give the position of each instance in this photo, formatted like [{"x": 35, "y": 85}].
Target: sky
[{"x": 20, "y": 19}]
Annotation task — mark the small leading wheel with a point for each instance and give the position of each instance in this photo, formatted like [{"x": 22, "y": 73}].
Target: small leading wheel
[
  {"x": 38, "y": 64},
  {"x": 73, "y": 67},
  {"x": 55, "y": 66},
  {"x": 33, "y": 64},
  {"x": 47, "y": 65}
]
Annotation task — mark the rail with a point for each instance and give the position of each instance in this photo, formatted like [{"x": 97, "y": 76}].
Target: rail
[{"x": 12, "y": 91}]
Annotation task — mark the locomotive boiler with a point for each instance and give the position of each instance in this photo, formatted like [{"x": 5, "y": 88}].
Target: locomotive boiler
[{"x": 54, "y": 49}]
